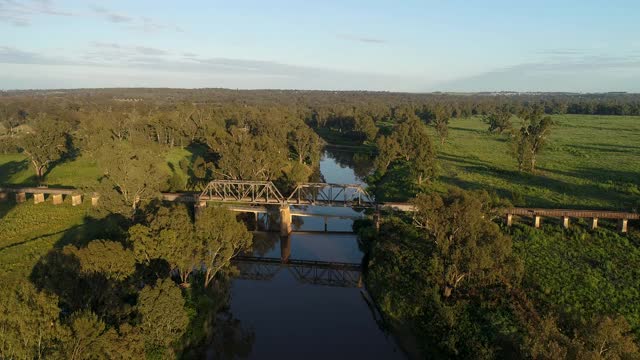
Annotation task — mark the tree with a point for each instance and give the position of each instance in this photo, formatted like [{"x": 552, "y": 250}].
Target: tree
[
  {"x": 86, "y": 339},
  {"x": 29, "y": 322},
  {"x": 163, "y": 319},
  {"x": 468, "y": 247},
  {"x": 441, "y": 124},
  {"x": 365, "y": 127},
  {"x": 304, "y": 143},
  {"x": 388, "y": 151},
  {"x": 108, "y": 258},
  {"x": 440, "y": 121},
  {"x": 222, "y": 237},
  {"x": 131, "y": 175},
  {"x": 45, "y": 144},
  {"x": 529, "y": 141},
  {"x": 168, "y": 234},
  {"x": 499, "y": 121}
]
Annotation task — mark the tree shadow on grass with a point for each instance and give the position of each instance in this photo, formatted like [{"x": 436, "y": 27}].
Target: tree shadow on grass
[
  {"x": 9, "y": 169},
  {"x": 617, "y": 196}
]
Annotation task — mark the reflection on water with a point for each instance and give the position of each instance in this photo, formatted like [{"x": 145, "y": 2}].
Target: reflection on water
[{"x": 300, "y": 310}]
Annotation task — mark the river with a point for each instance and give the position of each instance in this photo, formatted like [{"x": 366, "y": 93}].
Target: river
[{"x": 293, "y": 319}]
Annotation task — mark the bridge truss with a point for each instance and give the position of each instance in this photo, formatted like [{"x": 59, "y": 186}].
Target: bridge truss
[
  {"x": 330, "y": 195},
  {"x": 254, "y": 192},
  {"x": 265, "y": 192}
]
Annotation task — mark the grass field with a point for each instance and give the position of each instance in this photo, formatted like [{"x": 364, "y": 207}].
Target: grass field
[
  {"x": 590, "y": 162},
  {"x": 16, "y": 170}
]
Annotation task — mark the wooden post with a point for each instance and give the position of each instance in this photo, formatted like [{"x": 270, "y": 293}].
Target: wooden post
[
  {"x": 565, "y": 222},
  {"x": 38, "y": 198},
  {"x": 594, "y": 223},
  {"x": 509, "y": 219},
  {"x": 537, "y": 220},
  {"x": 76, "y": 200},
  {"x": 325, "y": 224},
  {"x": 622, "y": 225},
  {"x": 21, "y": 197},
  {"x": 56, "y": 199}
]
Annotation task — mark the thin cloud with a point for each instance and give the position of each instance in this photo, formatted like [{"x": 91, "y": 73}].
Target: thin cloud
[
  {"x": 142, "y": 23},
  {"x": 580, "y": 74},
  {"x": 118, "y": 49},
  {"x": 111, "y": 16},
  {"x": 362, "y": 39},
  {"x": 21, "y": 13}
]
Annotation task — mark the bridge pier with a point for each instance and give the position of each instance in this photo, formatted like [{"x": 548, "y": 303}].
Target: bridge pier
[
  {"x": 21, "y": 197},
  {"x": 565, "y": 222},
  {"x": 325, "y": 224},
  {"x": 38, "y": 198},
  {"x": 76, "y": 200},
  {"x": 537, "y": 221},
  {"x": 509, "y": 219},
  {"x": 197, "y": 209},
  {"x": 622, "y": 225},
  {"x": 594, "y": 223},
  {"x": 56, "y": 199},
  {"x": 285, "y": 220},
  {"x": 3, "y": 196},
  {"x": 94, "y": 199}
]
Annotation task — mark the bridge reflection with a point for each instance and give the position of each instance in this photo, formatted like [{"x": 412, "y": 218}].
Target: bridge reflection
[{"x": 304, "y": 271}]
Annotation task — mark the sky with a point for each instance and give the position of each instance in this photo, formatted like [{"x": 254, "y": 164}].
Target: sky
[{"x": 401, "y": 45}]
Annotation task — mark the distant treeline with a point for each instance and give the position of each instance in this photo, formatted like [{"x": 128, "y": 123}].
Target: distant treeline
[{"x": 459, "y": 105}]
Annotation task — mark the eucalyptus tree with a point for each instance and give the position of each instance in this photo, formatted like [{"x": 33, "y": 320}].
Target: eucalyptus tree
[
  {"x": 468, "y": 248},
  {"x": 305, "y": 144},
  {"x": 130, "y": 175},
  {"x": 530, "y": 139},
  {"x": 168, "y": 234},
  {"x": 47, "y": 142},
  {"x": 222, "y": 237}
]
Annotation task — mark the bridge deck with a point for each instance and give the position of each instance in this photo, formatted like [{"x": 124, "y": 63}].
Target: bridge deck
[{"x": 601, "y": 214}]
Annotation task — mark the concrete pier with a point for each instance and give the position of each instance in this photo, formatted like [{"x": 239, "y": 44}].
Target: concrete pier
[
  {"x": 56, "y": 199},
  {"x": 622, "y": 225},
  {"x": 594, "y": 223},
  {"x": 509, "y": 219},
  {"x": 537, "y": 221},
  {"x": 94, "y": 200},
  {"x": 38, "y": 198},
  {"x": 565, "y": 222},
  {"x": 21, "y": 197},
  {"x": 285, "y": 220},
  {"x": 76, "y": 200},
  {"x": 200, "y": 205}
]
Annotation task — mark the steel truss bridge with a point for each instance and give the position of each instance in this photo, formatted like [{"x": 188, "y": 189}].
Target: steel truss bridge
[
  {"x": 304, "y": 271},
  {"x": 265, "y": 192}
]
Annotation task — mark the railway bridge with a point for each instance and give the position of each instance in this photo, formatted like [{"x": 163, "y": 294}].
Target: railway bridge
[{"x": 264, "y": 197}]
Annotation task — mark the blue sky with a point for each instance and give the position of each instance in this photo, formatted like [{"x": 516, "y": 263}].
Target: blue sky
[{"x": 428, "y": 45}]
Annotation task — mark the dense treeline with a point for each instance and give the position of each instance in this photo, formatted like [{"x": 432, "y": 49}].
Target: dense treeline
[{"x": 456, "y": 285}]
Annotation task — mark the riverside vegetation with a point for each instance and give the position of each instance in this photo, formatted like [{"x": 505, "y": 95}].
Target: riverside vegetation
[{"x": 450, "y": 281}]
